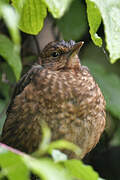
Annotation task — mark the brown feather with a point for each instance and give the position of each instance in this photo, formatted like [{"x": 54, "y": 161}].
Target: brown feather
[{"x": 67, "y": 99}]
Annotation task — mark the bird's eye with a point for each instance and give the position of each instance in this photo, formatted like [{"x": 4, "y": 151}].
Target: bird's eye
[{"x": 55, "y": 54}]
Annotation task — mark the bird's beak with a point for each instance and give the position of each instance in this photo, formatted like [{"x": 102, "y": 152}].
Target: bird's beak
[
  {"x": 73, "y": 61},
  {"x": 75, "y": 48}
]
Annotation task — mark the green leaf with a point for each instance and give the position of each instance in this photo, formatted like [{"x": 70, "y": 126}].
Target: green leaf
[
  {"x": 17, "y": 166},
  {"x": 32, "y": 14},
  {"x": 110, "y": 13},
  {"x": 57, "y": 7},
  {"x": 78, "y": 170},
  {"x": 94, "y": 19},
  {"x": 11, "y": 19},
  {"x": 46, "y": 137},
  {"x": 4, "y": 1},
  {"x": 47, "y": 147},
  {"x": 46, "y": 169},
  {"x": 63, "y": 144},
  {"x": 10, "y": 54},
  {"x": 69, "y": 25},
  {"x": 12, "y": 165}
]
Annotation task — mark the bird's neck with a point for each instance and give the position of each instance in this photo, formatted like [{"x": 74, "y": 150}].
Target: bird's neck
[{"x": 73, "y": 63}]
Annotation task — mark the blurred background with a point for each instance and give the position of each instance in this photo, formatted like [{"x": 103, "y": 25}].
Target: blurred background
[{"x": 105, "y": 158}]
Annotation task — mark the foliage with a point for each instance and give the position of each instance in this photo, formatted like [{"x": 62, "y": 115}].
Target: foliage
[
  {"x": 110, "y": 81},
  {"x": 94, "y": 19},
  {"x": 17, "y": 165},
  {"x": 9, "y": 50},
  {"x": 70, "y": 26},
  {"x": 109, "y": 10},
  {"x": 32, "y": 17},
  {"x": 32, "y": 14},
  {"x": 73, "y": 18},
  {"x": 9, "y": 53}
]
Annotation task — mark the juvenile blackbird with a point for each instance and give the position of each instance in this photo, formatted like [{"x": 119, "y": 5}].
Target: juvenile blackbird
[{"x": 61, "y": 92}]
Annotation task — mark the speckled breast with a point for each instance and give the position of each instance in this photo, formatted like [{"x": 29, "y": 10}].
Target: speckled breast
[{"x": 69, "y": 101}]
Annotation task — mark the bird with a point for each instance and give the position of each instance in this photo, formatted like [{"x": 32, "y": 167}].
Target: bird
[{"x": 61, "y": 92}]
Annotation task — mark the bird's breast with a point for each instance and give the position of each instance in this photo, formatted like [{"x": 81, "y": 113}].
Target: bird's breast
[
  {"x": 66, "y": 85},
  {"x": 69, "y": 101}
]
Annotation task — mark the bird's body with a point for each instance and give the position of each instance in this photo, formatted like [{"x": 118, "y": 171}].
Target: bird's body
[{"x": 66, "y": 98}]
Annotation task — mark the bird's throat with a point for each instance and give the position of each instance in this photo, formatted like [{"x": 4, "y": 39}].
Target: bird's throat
[{"x": 73, "y": 62}]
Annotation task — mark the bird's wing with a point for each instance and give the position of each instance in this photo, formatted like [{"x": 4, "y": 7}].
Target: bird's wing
[{"x": 24, "y": 81}]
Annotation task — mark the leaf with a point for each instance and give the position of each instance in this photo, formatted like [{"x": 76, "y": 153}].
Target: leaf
[
  {"x": 57, "y": 7},
  {"x": 17, "y": 166},
  {"x": 47, "y": 147},
  {"x": 47, "y": 169},
  {"x": 10, "y": 54},
  {"x": 63, "y": 144},
  {"x": 70, "y": 26},
  {"x": 110, "y": 13},
  {"x": 12, "y": 165},
  {"x": 11, "y": 19},
  {"x": 94, "y": 19},
  {"x": 58, "y": 156},
  {"x": 78, "y": 170},
  {"x": 32, "y": 14},
  {"x": 46, "y": 137},
  {"x": 4, "y": 1}
]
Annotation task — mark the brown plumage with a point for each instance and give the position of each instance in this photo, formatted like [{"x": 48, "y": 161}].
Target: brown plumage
[{"x": 60, "y": 92}]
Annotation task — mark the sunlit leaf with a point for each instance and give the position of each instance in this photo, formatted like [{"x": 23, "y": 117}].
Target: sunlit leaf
[
  {"x": 47, "y": 147},
  {"x": 110, "y": 13},
  {"x": 63, "y": 144},
  {"x": 16, "y": 165},
  {"x": 94, "y": 19},
  {"x": 57, "y": 7},
  {"x": 11, "y": 19},
  {"x": 78, "y": 170},
  {"x": 46, "y": 137},
  {"x": 47, "y": 169},
  {"x": 4, "y": 1},
  {"x": 32, "y": 14},
  {"x": 12, "y": 165}
]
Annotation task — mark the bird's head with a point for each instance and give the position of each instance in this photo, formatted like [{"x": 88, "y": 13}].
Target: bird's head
[{"x": 58, "y": 55}]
